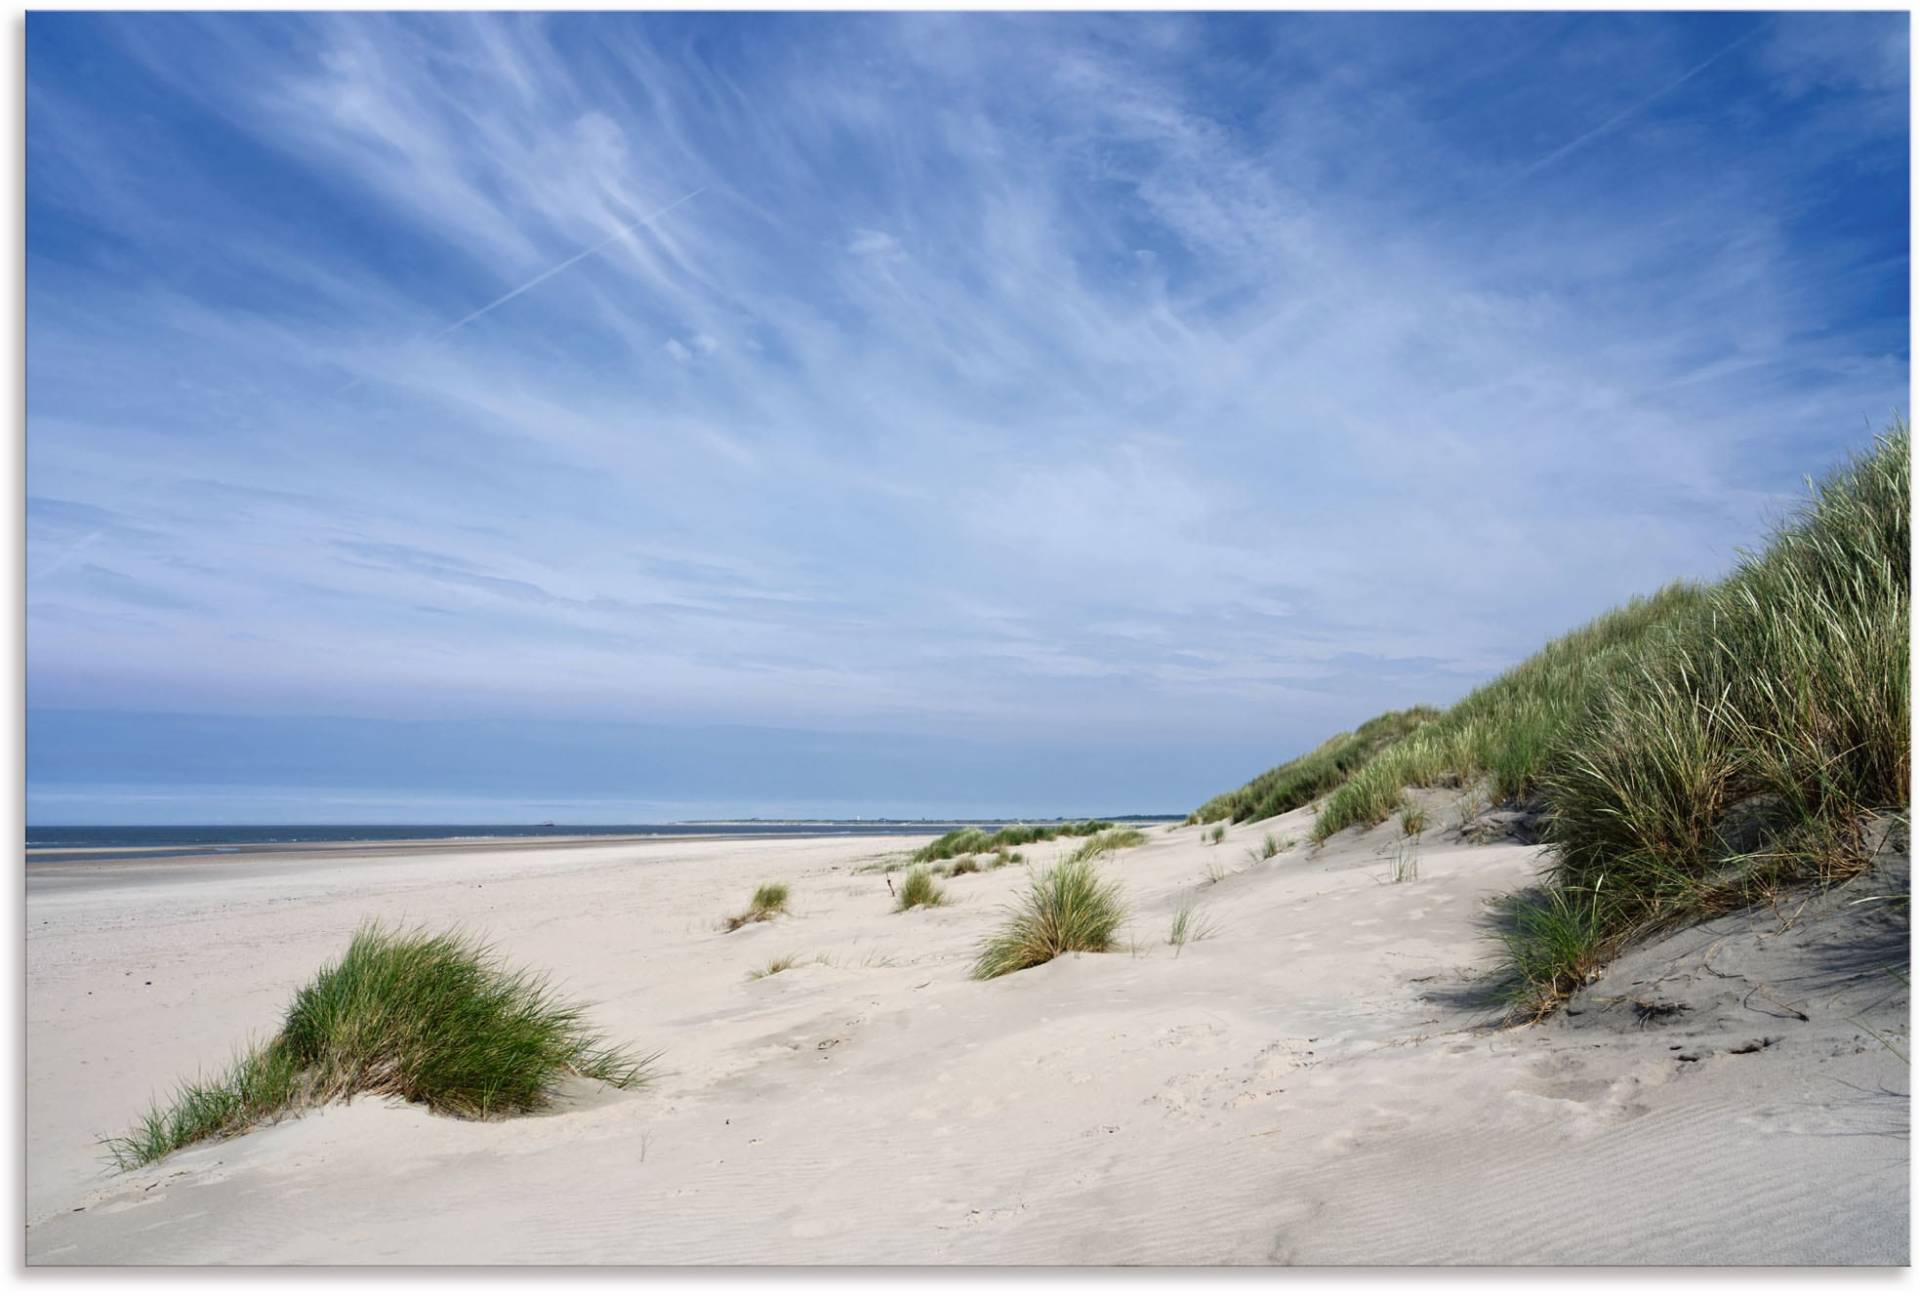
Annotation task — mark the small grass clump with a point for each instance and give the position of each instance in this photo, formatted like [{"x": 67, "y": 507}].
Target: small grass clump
[
  {"x": 1555, "y": 939},
  {"x": 1069, "y": 908},
  {"x": 774, "y": 967},
  {"x": 1103, "y": 843},
  {"x": 1413, "y": 821},
  {"x": 978, "y": 841},
  {"x": 1217, "y": 834},
  {"x": 919, "y": 889},
  {"x": 965, "y": 864},
  {"x": 1406, "y": 860},
  {"x": 435, "y": 1020},
  {"x": 1269, "y": 846},
  {"x": 769, "y": 899},
  {"x": 1190, "y": 923}
]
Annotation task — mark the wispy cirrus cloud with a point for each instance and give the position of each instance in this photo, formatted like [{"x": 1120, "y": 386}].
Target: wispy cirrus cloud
[{"x": 1227, "y": 374}]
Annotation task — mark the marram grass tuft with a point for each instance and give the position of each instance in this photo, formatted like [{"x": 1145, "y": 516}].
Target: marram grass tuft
[
  {"x": 1069, "y": 908},
  {"x": 435, "y": 1020}
]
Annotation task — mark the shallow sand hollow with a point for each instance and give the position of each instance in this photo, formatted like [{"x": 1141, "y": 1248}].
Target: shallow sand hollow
[{"x": 1313, "y": 1083}]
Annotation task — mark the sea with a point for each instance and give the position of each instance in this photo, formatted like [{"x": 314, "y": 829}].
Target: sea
[{"x": 55, "y": 843}]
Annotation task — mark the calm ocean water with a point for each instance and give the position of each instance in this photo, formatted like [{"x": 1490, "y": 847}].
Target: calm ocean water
[
  {"x": 57, "y": 844},
  {"x": 67, "y": 838}
]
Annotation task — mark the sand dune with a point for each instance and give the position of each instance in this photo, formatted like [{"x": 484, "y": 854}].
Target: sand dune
[{"x": 1316, "y": 1082}]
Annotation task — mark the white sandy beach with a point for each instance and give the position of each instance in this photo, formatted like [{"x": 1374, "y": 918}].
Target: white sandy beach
[{"x": 1314, "y": 1083}]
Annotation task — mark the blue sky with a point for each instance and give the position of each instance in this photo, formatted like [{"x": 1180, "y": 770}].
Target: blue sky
[{"x": 952, "y": 414}]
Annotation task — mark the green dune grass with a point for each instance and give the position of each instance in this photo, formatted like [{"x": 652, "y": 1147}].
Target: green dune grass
[
  {"x": 1746, "y": 751},
  {"x": 919, "y": 890},
  {"x": 769, "y": 900},
  {"x": 435, "y": 1020},
  {"x": 1501, "y": 735},
  {"x": 1105, "y": 843},
  {"x": 1068, "y": 908},
  {"x": 1301, "y": 780},
  {"x": 1689, "y": 752},
  {"x": 978, "y": 841}
]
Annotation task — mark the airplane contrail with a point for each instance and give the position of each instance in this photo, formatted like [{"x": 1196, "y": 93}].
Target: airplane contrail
[
  {"x": 545, "y": 275},
  {"x": 1625, "y": 113},
  {"x": 573, "y": 260},
  {"x": 60, "y": 559}
]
